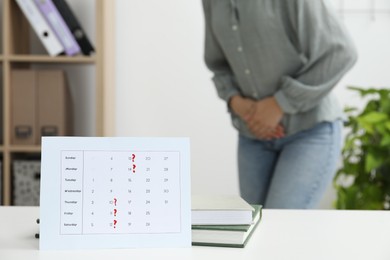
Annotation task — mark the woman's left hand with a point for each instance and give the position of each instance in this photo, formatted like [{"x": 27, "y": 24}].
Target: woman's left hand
[{"x": 264, "y": 121}]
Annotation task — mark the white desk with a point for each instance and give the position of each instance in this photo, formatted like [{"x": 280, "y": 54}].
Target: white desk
[{"x": 282, "y": 234}]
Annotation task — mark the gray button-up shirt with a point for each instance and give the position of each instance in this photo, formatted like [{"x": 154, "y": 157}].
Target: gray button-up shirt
[{"x": 294, "y": 50}]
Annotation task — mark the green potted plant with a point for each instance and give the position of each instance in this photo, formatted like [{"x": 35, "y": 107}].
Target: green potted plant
[{"x": 363, "y": 182}]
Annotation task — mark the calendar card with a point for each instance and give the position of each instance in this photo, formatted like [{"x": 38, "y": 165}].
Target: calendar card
[{"x": 102, "y": 192}]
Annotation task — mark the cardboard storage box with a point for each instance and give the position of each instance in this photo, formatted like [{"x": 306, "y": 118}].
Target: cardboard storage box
[
  {"x": 40, "y": 106},
  {"x": 23, "y": 107},
  {"x": 1, "y": 183},
  {"x": 54, "y": 109},
  {"x": 26, "y": 182}
]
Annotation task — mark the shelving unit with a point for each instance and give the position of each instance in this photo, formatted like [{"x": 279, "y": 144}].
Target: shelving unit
[{"x": 17, "y": 52}]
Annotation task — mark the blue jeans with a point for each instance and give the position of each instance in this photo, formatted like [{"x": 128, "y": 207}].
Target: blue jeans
[{"x": 291, "y": 172}]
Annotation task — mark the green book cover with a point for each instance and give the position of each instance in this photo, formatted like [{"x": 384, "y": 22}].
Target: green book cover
[{"x": 226, "y": 235}]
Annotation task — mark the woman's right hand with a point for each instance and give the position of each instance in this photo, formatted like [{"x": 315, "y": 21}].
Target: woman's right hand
[
  {"x": 245, "y": 108},
  {"x": 242, "y": 107}
]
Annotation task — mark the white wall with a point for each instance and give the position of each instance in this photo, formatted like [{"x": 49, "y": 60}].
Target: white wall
[
  {"x": 372, "y": 37},
  {"x": 164, "y": 89}
]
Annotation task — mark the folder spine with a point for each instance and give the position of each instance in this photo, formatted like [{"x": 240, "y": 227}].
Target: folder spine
[
  {"x": 53, "y": 103},
  {"x": 74, "y": 26},
  {"x": 41, "y": 105},
  {"x": 23, "y": 107},
  {"x": 57, "y": 23},
  {"x": 41, "y": 27}
]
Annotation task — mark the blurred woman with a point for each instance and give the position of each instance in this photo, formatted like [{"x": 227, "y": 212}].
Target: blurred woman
[{"x": 275, "y": 63}]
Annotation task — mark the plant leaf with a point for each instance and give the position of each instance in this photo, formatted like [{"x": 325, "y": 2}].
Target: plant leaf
[
  {"x": 372, "y": 198},
  {"x": 374, "y": 117},
  {"x": 363, "y": 181},
  {"x": 363, "y": 92},
  {"x": 372, "y": 162},
  {"x": 368, "y": 127},
  {"x": 351, "y": 197},
  {"x": 385, "y": 141}
]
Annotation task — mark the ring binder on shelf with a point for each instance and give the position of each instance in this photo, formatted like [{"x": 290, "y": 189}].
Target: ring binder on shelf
[
  {"x": 41, "y": 27},
  {"x": 74, "y": 26},
  {"x": 57, "y": 23}
]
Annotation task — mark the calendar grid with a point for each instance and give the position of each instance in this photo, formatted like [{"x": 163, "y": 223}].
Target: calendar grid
[{"x": 101, "y": 210}]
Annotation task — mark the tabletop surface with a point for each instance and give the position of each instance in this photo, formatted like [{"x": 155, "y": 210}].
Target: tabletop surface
[{"x": 282, "y": 234}]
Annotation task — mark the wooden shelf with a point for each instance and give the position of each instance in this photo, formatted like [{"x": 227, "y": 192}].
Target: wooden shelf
[
  {"x": 49, "y": 59},
  {"x": 25, "y": 149}
]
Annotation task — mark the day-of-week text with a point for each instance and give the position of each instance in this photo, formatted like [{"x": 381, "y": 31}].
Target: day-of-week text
[
  {"x": 70, "y": 201},
  {"x": 78, "y": 191},
  {"x": 70, "y": 224}
]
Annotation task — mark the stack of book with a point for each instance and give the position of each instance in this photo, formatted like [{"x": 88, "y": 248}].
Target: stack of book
[
  {"x": 56, "y": 26},
  {"x": 226, "y": 221}
]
